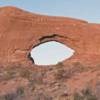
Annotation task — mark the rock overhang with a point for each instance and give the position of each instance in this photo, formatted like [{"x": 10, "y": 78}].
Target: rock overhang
[{"x": 21, "y": 31}]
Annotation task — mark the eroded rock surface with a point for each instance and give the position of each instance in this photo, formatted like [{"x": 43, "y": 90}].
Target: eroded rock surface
[{"x": 77, "y": 77}]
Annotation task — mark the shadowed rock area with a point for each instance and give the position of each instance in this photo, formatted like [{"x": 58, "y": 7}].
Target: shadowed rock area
[{"x": 77, "y": 78}]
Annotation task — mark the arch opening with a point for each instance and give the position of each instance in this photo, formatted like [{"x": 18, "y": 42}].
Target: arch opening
[{"x": 50, "y": 53}]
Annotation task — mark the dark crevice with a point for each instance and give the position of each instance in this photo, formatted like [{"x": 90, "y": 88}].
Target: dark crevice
[
  {"x": 47, "y": 37},
  {"x": 54, "y": 36},
  {"x": 30, "y": 58}
]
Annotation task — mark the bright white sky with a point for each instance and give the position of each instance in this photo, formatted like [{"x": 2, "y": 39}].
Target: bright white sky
[{"x": 51, "y": 53}]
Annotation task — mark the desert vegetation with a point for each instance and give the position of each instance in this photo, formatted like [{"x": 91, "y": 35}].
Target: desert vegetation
[
  {"x": 48, "y": 83},
  {"x": 86, "y": 94}
]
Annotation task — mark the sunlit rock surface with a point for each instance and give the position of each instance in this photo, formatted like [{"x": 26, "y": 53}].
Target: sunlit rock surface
[{"x": 20, "y": 79}]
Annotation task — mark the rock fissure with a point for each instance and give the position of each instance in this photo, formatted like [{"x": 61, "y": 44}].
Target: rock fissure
[{"x": 43, "y": 38}]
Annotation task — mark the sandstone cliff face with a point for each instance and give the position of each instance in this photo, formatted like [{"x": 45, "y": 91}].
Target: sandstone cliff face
[{"x": 20, "y": 31}]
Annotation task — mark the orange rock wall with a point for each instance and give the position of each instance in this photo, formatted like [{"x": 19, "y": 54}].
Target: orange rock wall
[{"x": 20, "y": 31}]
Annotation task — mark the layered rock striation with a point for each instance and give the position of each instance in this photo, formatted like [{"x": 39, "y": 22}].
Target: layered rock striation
[{"x": 20, "y": 31}]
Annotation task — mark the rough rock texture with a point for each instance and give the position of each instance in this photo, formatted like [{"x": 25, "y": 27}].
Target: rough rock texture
[{"x": 77, "y": 78}]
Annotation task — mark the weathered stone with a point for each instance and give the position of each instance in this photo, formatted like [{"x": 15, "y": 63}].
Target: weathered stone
[{"x": 20, "y": 31}]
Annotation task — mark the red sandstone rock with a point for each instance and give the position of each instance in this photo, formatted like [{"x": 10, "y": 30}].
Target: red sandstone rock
[{"x": 20, "y": 31}]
